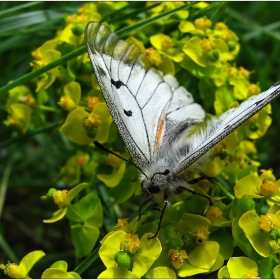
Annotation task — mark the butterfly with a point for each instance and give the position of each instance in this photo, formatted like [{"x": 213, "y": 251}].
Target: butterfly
[{"x": 165, "y": 132}]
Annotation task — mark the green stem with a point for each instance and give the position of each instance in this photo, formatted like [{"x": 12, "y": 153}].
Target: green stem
[
  {"x": 4, "y": 183},
  {"x": 42, "y": 70},
  {"x": 85, "y": 264},
  {"x": 260, "y": 205},
  {"x": 27, "y": 136},
  {"x": 82, "y": 50},
  {"x": 224, "y": 191},
  {"x": 48, "y": 108},
  {"x": 19, "y": 7}
]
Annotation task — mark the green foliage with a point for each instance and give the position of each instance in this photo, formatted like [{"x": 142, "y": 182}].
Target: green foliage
[{"x": 51, "y": 115}]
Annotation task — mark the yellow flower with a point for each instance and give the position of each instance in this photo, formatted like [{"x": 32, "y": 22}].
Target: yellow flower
[
  {"x": 268, "y": 222},
  {"x": 220, "y": 26},
  {"x": 213, "y": 213},
  {"x": 268, "y": 187},
  {"x": 253, "y": 90},
  {"x": 81, "y": 161},
  {"x": 91, "y": 121},
  {"x": 244, "y": 72},
  {"x": 250, "y": 274},
  {"x": 66, "y": 103},
  {"x": 123, "y": 225},
  {"x": 29, "y": 100},
  {"x": 91, "y": 101},
  {"x": 131, "y": 243},
  {"x": 60, "y": 197},
  {"x": 207, "y": 45},
  {"x": 167, "y": 43},
  {"x": 201, "y": 234},
  {"x": 267, "y": 174},
  {"x": 177, "y": 258},
  {"x": 202, "y": 23},
  {"x": 153, "y": 57}
]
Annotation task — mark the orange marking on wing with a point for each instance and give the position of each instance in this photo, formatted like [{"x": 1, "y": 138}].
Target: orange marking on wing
[{"x": 159, "y": 131}]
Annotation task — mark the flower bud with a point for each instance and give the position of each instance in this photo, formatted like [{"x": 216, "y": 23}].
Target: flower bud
[
  {"x": 231, "y": 45},
  {"x": 213, "y": 55},
  {"x": 14, "y": 271},
  {"x": 51, "y": 192},
  {"x": 78, "y": 29},
  {"x": 91, "y": 133},
  {"x": 123, "y": 259},
  {"x": 254, "y": 126}
]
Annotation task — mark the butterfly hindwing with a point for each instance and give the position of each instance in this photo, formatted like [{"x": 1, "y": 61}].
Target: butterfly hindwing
[{"x": 219, "y": 127}]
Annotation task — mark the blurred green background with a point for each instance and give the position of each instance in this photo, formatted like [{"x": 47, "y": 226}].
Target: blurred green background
[{"x": 32, "y": 164}]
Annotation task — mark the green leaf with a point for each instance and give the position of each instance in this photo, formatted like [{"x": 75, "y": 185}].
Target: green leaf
[
  {"x": 225, "y": 241},
  {"x": 84, "y": 238},
  {"x": 145, "y": 256},
  {"x": 266, "y": 266},
  {"x": 30, "y": 259},
  {"x": 87, "y": 210},
  {"x": 241, "y": 206}
]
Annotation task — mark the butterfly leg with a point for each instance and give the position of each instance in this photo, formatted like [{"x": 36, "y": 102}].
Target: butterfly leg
[
  {"x": 143, "y": 203},
  {"x": 160, "y": 219},
  {"x": 155, "y": 207}
]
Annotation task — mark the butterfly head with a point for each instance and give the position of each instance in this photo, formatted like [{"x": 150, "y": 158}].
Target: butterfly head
[{"x": 154, "y": 187}]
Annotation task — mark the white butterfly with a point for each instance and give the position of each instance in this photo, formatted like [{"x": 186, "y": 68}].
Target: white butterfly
[{"x": 156, "y": 117}]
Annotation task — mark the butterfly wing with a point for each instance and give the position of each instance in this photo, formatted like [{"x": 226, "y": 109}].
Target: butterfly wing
[
  {"x": 141, "y": 100},
  {"x": 219, "y": 127}
]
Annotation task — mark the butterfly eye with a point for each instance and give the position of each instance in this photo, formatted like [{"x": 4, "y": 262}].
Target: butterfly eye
[{"x": 154, "y": 188}]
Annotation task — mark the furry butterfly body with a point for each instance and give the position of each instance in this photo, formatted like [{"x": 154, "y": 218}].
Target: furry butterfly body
[{"x": 164, "y": 130}]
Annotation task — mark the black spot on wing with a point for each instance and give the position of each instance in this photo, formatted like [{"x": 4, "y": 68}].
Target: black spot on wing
[
  {"x": 128, "y": 113},
  {"x": 117, "y": 84}
]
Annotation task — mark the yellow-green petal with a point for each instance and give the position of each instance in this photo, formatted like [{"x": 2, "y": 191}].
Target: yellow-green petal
[
  {"x": 73, "y": 127},
  {"x": 56, "y": 273},
  {"x": 115, "y": 272},
  {"x": 223, "y": 273},
  {"x": 248, "y": 186},
  {"x": 148, "y": 252},
  {"x": 30, "y": 259},
  {"x": 162, "y": 272},
  {"x": 113, "y": 179},
  {"x": 249, "y": 222},
  {"x": 239, "y": 266},
  {"x": 58, "y": 215},
  {"x": 205, "y": 255},
  {"x": 110, "y": 247}
]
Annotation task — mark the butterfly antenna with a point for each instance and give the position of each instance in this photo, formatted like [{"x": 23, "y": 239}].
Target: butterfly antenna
[
  {"x": 100, "y": 146},
  {"x": 160, "y": 219}
]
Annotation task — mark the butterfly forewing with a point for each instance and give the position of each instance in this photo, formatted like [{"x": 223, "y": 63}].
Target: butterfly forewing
[{"x": 140, "y": 99}]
